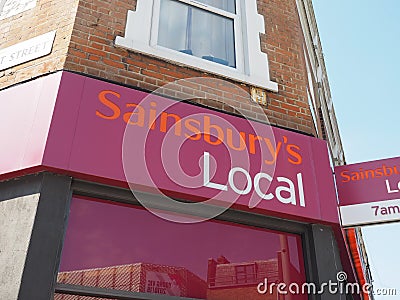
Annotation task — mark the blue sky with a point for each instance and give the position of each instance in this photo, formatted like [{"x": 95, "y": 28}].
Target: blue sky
[{"x": 361, "y": 42}]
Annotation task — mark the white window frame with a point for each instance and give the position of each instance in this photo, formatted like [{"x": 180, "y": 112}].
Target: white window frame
[
  {"x": 197, "y": 61},
  {"x": 141, "y": 33}
]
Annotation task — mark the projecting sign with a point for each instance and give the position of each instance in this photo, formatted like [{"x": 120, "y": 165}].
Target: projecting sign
[
  {"x": 9, "y": 8},
  {"x": 27, "y": 50},
  {"x": 369, "y": 192}
]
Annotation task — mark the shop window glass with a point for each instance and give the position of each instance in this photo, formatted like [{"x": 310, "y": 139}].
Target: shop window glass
[{"x": 123, "y": 247}]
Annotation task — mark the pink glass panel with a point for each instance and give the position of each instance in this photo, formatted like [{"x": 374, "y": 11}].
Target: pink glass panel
[{"x": 124, "y": 247}]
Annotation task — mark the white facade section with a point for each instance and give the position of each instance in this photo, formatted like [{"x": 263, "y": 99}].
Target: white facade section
[
  {"x": 141, "y": 32},
  {"x": 9, "y": 8}
]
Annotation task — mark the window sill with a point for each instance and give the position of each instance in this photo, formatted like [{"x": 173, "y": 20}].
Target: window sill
[{"x": 196, "y": 63}]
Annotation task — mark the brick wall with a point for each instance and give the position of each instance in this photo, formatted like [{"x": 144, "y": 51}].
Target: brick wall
[
  {"x": 46, "y": 16},
  {"x": 91, "y": 51},
  {"x": 283, "y": 42}
]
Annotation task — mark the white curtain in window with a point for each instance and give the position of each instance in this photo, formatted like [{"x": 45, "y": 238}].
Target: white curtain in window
[{"x": 197, "y": 32}]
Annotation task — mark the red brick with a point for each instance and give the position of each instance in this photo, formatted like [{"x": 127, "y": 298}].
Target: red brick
[{"x": 92, "y": 50}]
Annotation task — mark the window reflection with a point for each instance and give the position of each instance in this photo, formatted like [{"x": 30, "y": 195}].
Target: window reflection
[{"x": 123, "y": 247}]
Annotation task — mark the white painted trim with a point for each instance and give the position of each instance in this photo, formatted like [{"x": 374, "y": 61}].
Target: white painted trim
[
  {"x": 239, "y": 45},
  {"x": 210, "y": 8},
  {"x": 155, "y": 23},
  {"x": 253, "y": 69}
]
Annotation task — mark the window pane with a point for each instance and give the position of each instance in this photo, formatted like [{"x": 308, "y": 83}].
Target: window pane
[
  {"x": 246, "y": 274},
  {"x": 197, "y": 32},
  {"x": 173, "y": 25},
  {"x": 127, "y": 248},
  {"x": 227, "y": 5}
]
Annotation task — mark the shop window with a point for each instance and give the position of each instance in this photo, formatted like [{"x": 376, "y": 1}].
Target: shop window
[
  {"x": 219, "y": 36},
  {"x": 125, "y": 248}
]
